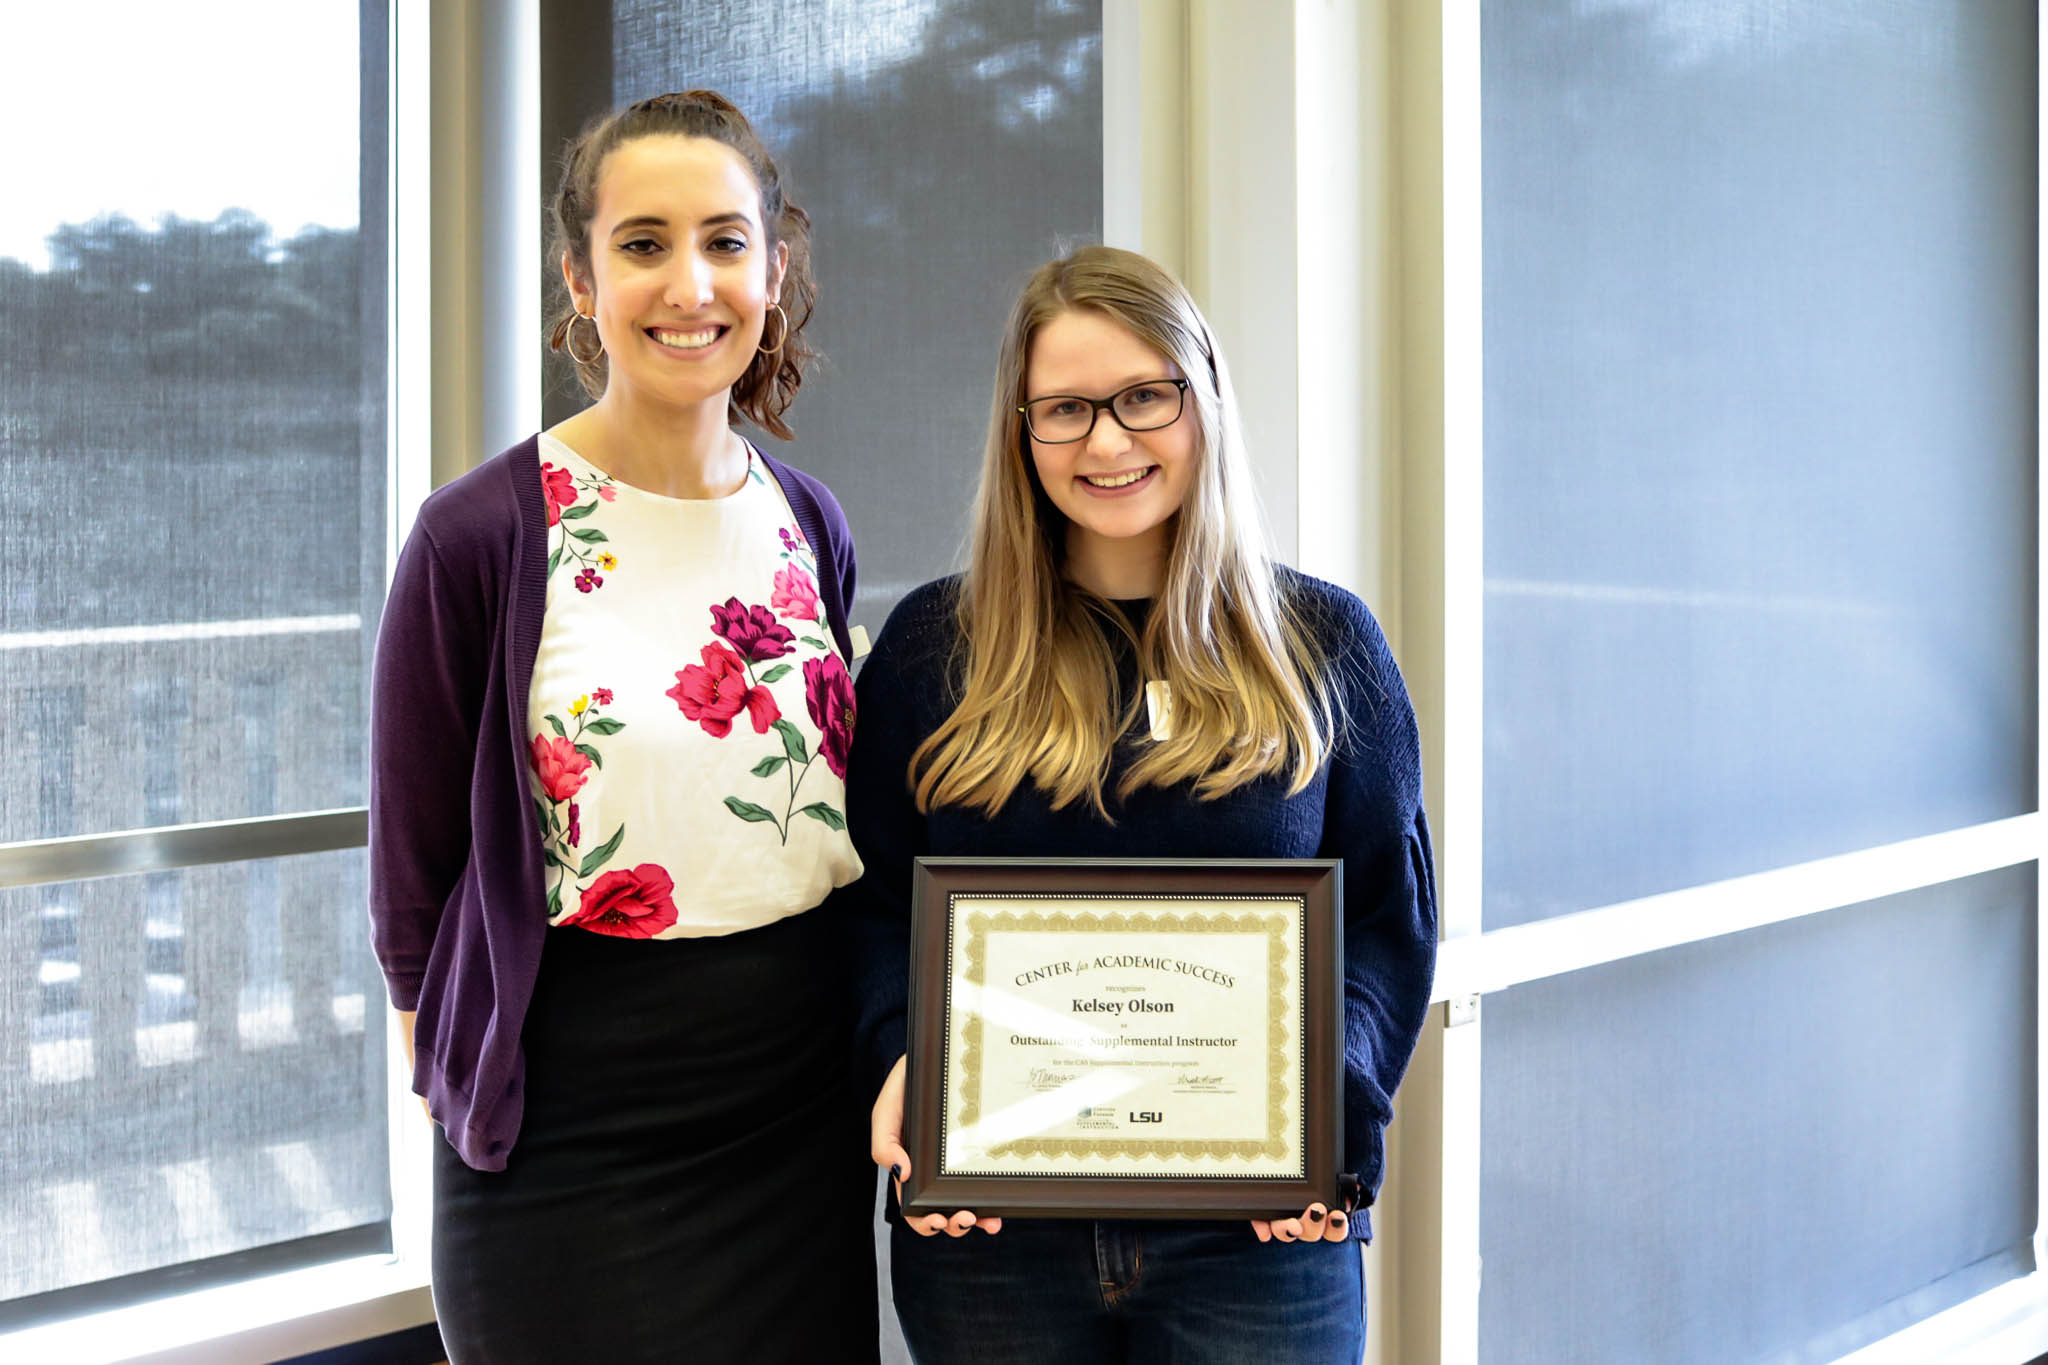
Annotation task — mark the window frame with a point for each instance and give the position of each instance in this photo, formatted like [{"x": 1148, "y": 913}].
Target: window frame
[{"x": 2007, "y": 1324}]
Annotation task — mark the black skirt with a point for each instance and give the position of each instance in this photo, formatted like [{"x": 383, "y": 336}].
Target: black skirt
[{"x": 690, "y": 1181}]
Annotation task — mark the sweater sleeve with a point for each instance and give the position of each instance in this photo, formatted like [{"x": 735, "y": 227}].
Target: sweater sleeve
[
  {"x": 845, "y": 571},
  {"x": 1374, "y": 820},
  {"x": 427, "y": 685},
  {"x": 896, "y": 687}
]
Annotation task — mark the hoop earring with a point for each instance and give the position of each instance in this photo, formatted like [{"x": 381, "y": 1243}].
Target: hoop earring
[
  {"x": 776, "y": 349},
  {"x": 569, "y": 341}
]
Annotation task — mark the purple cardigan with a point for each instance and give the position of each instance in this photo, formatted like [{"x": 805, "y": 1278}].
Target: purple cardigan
[{"x": 456, "y": 882}]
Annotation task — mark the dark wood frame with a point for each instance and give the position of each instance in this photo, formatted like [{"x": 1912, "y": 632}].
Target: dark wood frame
[{"x": 1318, "y": 882}]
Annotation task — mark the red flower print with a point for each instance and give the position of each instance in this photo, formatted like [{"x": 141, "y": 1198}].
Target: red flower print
[
  {"x": 589, "y": 579},
  {"x": 575, "y": 823},
  {"x": 602, "y": 696},
  {"x": 751, "y": 630},
  {"x": 795, "y": 594},
  {"x": 828, "y": 693},
  {"x": 713, "y": 694},
  {"x": 560, "y": 486},
  {"x": 607, "y": 492},
  {"x": 562, "y": 770},
  {"x": 636, "y": 902}
]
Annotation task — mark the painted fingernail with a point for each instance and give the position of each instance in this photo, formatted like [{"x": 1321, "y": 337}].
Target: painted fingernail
[
  {"x": 896, "y": 1171},
  {"x": 1336, "y": 1220},
  {"x": 1315, "y": 1215}
]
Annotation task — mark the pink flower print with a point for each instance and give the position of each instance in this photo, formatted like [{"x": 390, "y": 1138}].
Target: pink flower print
[
  {"x": 560, "y": 486},
  {"x": 635, "y": 902},
  {"x": 795, "y": 594},
  {"x": 561, "y": 769},
  {"x": 588, "y": 580},
  {"x": 602, "y": 696},
  {"x": 607, "y": 492},
  {"x": 575, "y": 823},
  {"x": 751, "y": 630},
  {"x": 828, "y": 694},
  {"x": 713, "y": 694}
]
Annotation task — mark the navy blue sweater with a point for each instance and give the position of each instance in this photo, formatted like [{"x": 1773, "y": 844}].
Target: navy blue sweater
[{"x": 1364, "y": 806}]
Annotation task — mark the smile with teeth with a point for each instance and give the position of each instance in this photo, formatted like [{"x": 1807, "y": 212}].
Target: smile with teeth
[
  {"x": 1117, "y": 480},
  {"x": 694, "y": 340}
]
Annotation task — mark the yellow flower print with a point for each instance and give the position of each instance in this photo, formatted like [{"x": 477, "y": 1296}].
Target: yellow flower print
[
  {"x": 578, "y": 706},
  {"x": 607, "y": 561}
]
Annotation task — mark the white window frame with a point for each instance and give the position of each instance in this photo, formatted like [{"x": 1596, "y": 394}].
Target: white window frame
[{"x": 2008, "y": 1324}]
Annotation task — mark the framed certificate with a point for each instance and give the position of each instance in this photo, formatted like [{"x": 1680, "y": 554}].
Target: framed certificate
[{"x": 1128, "y": 1038}]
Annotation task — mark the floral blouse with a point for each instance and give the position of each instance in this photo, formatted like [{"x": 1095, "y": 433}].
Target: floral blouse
[{"x": 690, "y": 716}]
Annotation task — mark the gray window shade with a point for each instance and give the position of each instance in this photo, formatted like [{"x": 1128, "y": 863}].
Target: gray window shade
[
  {"x": 192, "y": 440},
  {"x": 943, "y": 148},
  {"x": 1760, "y": 436},
  {"x": 1778, "y": 1146}
]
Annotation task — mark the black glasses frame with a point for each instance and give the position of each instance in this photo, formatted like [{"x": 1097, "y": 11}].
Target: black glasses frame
[{"x": 1108, "y": 405}]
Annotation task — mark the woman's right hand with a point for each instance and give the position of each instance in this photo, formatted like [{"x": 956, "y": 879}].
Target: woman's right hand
[
  {"x": 885, "y": 1146},
  {"x": 405, "y": 1026}
]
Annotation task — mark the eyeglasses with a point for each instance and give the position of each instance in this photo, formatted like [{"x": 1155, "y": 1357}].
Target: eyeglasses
[{"x": 1145, "y": 406}]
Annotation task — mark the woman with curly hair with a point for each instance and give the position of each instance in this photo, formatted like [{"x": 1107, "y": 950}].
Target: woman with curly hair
[{"x": 609, "y": 741}]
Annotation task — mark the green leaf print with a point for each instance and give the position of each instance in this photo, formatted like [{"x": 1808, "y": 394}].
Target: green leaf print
[
  {"x": 556, "y": 721},
  {"x": 600, "y": 853},
  {"x": 578, "y": 512},
  {"x": 591, "y": 754},
  {"x": 553, "y": 560},
  {"x": 747, "y": 810},
  {"x": 812, "y": 641},
  {"x": 818, "y": 810},
  {"x": 776, "y": 674},
  {"x": 792, "y": 742},
  {"x": 605, "y": 725},
  {"x": 554, "y": 900},
  {"x": 590, "y": 535},
  {"x": 770, "y": 766},
  {"x": 554, "y": 859}
]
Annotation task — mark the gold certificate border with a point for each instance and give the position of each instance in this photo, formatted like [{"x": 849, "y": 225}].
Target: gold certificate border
[{"x": 973, "y": 966}]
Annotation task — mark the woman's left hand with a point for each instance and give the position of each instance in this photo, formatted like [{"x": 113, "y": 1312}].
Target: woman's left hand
[{"x": 1316, "y": 1224}]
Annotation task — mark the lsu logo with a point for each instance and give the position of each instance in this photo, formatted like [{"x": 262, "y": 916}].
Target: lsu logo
[{"x": 1147, "y": 1116}]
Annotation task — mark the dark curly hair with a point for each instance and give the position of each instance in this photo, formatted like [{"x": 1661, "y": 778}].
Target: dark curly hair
[{"x": 765, "y": 391}]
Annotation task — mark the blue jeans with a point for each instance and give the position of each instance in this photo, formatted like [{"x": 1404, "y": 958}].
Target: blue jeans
[{"x": 1072, "y": 1292}]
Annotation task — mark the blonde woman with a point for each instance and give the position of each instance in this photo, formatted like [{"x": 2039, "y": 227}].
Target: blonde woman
[{"x": 1116, "y": 541}]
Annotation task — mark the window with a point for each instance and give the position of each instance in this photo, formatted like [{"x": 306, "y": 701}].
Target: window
[
  {"x": 193, "y": 443},
  {"x": 944, "y": 149},
  {"x": 1760, "y": 639}
]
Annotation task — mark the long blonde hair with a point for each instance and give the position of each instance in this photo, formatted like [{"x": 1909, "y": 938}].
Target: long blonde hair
[{"x": 1038, "y": 694}]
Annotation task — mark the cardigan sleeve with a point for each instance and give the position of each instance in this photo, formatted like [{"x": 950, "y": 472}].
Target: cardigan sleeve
[
  {"x": 849, "y": 571},
  {"x": 426, "y": 701},
  {"x": 1373, "y": 819},
  {"x": 839, "y": 542},
  {"x": 895, "y": 690}
]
